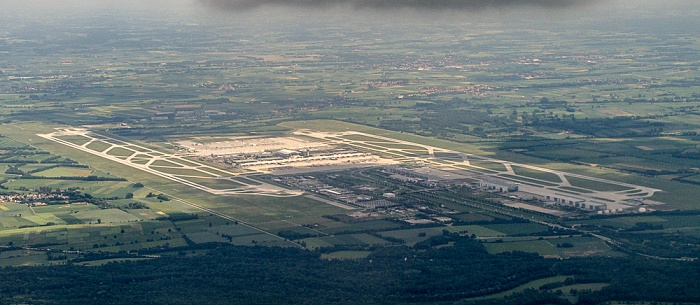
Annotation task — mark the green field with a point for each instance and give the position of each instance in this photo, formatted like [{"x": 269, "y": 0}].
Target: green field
[
  {"x": 595, "y": 185},
  {"x": 65, "y": 172},
  {"x": 527, "y": 172},
  {"x": 216, "y": 183},
  {"x": 629, "y": 222},
  {"x": 182, "y": 162},
  {"x": 488, "y": 165},
  {"x": 164, "y": 163},
  {"x": 345, "y": 240},
  {"x": 531, "y": 285},
  {"x": 540, "y": 247},
  {"x": 120, "y": 152},
  {"x": 346, "y": 255},
  {"x": 75, "y": 139},
  {"x": 99, "y": 146},
  {"x": 518, "y": 228},
  {"x": 181, "y": 171},
  {"x": 360, "y": 226}
]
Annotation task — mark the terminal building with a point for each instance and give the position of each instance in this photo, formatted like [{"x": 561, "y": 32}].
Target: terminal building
[
  {"x": 564, "y": 200},
  {"x": 578, "y": 203},
  {"x": 548, "y": 196},
  {"x": 503, "y": 186}
]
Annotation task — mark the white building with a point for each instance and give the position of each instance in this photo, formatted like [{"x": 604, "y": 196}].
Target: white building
[{"x": 503, "y": 186}]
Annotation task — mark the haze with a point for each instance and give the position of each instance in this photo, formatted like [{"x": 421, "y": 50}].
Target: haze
[{"x": 270, "y": 12}]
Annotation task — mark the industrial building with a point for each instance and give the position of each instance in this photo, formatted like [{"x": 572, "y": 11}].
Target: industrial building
[
  {"x": 503, "y": 186},
  {"x": 575, "y": 202}
]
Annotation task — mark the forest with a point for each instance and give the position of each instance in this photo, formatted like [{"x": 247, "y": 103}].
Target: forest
[{"x": 224, "y": 274}]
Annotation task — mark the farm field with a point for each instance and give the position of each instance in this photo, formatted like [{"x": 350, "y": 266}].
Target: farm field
[
  {"x": 531, "y": 285},
  {"x": 65, "y": 172}
]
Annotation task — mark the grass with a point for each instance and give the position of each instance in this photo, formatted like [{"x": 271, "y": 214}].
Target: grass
[
  {"x": 338, "y": 126},
  {"x": 488, "y": 165},
  {"x": 34, "y": 167},
  {"x": 575, "y": 189},
  {"x": 573, "y": 298},
  {"x": 517, "y": 228},
  {"x": 536, "y": 284},
  {"x": 675, "y": 195},
  {"x": 29, "y": 258},
  {"x": 183, "y": 162},
  {"x": 44, "y": 219},
  {"x": 540, "y": 247},
  {"x": 416, "y": 235},
  {"x": 472, "y": 217},
  {"x": 165, "y": 163},
  {"x": 246, "y": 181},
  {"x": 111, "y": 260},
  {"x": 413, "y": 236},
  {"x": 65, "y": 172},
  {"x": 596, "y": 185},
  {"x": 215, "y": 172},
  {"x": 95, "y": 188},
  {"x": 591, "y": 287},
  {"x": 217, "y": 184},
  {"x": 107, "y": 216},
  {"x": 366, "y": 225},
  {"x": 137, "y": 148},
  {"x": 346, "y": 255},
  {"x": 334, "y": 240},
  {"x": 120, "y": 152},
  {"x": 143, "y": 156},
  {"x": 367, "y": 239},
  {"x": 526, "y": 180},
  {"x": 628, "y": 222},
  {"x": 75, "y": 139},
  {"x": 584, "y": 247},
  {"x": 537, "y": 174},
  {"x": 140, "y": 161},
  {"x": 681, "y": 221},
  {"x": 206, "y": 237},
  {"x": 99, "y": 146},
  {"x": 182, "y": 171},
  {"x": 480, "y": 231},
  {"x": 363, "y": 138},
  {"x": 400, "y": 146}
]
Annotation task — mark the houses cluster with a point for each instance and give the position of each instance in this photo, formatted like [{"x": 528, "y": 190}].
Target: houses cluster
[
  {"x": 34, "y": 199},
  {"x": 477, "y": 90},
  {"x": 187, "y": 115},
  {"x": 386, "y": 83}
]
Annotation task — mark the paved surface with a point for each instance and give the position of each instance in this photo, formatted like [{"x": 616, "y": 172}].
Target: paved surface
[
  {"x": 392, "y": 147},
  {"x": 147, "y": 160},
  {"x": 175, "y": 167}
]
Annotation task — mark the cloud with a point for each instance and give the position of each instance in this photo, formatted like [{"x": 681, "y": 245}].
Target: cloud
[{"x": 467, "y": 5}]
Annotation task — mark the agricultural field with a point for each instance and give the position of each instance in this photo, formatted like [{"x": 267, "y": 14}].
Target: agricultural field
[{"x": 65, "y": 172}]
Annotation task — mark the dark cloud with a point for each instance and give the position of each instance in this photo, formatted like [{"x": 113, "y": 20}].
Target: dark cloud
[{"x": 469, "y": 5}]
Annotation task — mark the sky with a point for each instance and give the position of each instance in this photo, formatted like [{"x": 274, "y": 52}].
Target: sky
[
  {"x": 324, "y": 6},
  {"x": 467, "y": 5},
  {"x": 400, "y": 12}
]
